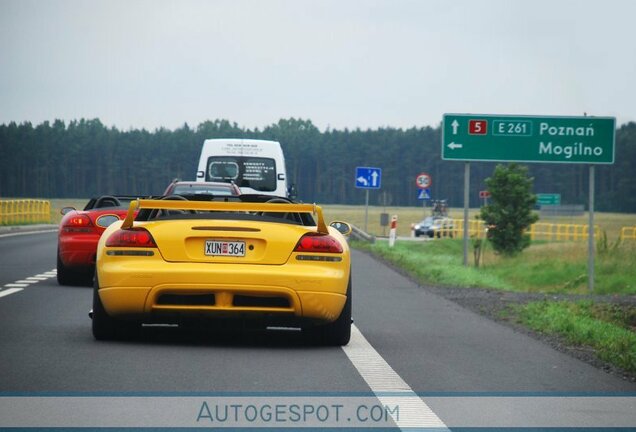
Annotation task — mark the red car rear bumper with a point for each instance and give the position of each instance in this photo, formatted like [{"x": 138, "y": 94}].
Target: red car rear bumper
[{"x": 78, "y": 249}]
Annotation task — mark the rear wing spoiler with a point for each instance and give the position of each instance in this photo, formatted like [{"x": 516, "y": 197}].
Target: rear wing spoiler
[{"x": 224, "y": 206}]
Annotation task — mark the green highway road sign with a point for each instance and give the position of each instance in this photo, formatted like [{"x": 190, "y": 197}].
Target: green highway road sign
[
  {"x": 487, "y": 137},
  {"x": 549, "y": 199}
]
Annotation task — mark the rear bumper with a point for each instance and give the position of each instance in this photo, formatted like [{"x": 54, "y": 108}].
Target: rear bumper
[
  {"x": 149, "y": 288},
  {"x": 77, "y": 249}
]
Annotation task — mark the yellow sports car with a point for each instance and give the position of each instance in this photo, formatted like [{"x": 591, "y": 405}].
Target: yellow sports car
[{"x": 247, "y": 257}]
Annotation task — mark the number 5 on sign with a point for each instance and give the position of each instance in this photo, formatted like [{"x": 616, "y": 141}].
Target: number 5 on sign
[{"x": 478, "y": 127}]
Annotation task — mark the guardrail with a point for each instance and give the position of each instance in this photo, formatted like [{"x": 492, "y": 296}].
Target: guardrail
[
  {"x": 628, "y": 233},
  {"x": 550, "y": 231},
  {"x": 24, "y": 211},
  {"x": 360, "y": 235},
  {"x": 537, "y": 231},
  {"x": 476, "y": 229}
]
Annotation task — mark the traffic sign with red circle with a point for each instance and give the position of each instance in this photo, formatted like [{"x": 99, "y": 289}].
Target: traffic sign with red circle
[{"x": 423, "y": 181}]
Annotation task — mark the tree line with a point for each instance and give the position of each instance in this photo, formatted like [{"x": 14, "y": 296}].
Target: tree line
[{"x": 84, "y": 158}]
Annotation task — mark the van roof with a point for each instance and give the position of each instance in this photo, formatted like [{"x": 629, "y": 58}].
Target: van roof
[{"x": 239, "y": 140}]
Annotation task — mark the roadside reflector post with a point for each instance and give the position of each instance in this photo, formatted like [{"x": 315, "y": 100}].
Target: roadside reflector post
[
  {"x": 412, "y": 230},
  {"x": 393, "y": 231}
]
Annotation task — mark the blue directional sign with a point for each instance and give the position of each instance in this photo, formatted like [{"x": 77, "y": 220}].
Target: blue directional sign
[
  {"x": 368, "y": 177},
  {"x": 424, "y": 194}
]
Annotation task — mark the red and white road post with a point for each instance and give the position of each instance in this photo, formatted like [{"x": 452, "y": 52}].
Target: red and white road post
[{"x": 393, "y": 231}]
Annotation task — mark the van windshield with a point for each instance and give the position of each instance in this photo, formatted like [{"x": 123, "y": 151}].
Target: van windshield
[{"x": 253, "y": 172}]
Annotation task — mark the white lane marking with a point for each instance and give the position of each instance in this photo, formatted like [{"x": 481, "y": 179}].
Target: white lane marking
[
  {"x": 27, "y": 233},
  {"x": 10, "y": 291},
  {"x": 382, "y": 379},
  {"x": 19, "y": 285}
]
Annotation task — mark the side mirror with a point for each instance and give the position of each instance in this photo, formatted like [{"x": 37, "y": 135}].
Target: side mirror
[
  {"x": 200, "y": 174},
  {"x": 65, "y": 210},
  {"x": 343, "y": 227},
  {"x": 291, "y": 192}
]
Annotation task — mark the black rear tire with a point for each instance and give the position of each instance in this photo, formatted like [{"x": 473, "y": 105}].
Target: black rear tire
[
  {"x": 337, "y": 333},
  {"x": 106, "y": 327},
  {"x": 64, "y": 276},
  {"x": 71, "y": 275}
]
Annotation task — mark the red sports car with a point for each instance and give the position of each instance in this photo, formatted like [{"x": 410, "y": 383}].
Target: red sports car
[
  {"x": 79, "y": 233},
  {"x": 80, "y": 230}
]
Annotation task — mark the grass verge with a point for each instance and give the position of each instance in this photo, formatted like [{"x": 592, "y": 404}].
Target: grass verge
[
  {"x": 608, "y": 329},
  {"x": 436, "y": 263},
  {"x": 545, "y": 267}
]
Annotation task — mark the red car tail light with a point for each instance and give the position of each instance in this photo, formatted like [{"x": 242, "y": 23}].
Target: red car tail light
[
  {"x": 314, "y": 242},
  {"x": 136, "y": 237},
  {"x": 78, "y": 221}
]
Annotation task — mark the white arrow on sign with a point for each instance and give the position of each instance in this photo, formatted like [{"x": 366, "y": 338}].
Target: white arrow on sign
[
  {"x": 374, "y": 176},
  {"x": 455, "y": 125},
  {"x": 363, "y": 181},
  {"x": 454, "y": 146}
]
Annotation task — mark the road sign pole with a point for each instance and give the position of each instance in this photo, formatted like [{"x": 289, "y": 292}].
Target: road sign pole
[
  {"x": 366, "y": 211},
  {"x": 466, "y": 198},
  {"x": 424, "y": 207},
  {"x": 367, "y": 178},
  {"x": 590, "y": 234}
]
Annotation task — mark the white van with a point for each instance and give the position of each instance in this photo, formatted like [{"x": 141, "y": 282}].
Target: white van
[{"x": 255, "y": 166}]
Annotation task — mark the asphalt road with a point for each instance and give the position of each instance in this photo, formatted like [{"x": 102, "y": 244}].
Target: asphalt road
[{"x": 434, "y": 346}]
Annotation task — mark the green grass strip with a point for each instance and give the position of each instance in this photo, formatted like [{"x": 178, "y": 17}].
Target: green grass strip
[
  {"x": 581, "y": 324},
  {"x": 543, "y": 268},
  {"x": 434, "y": 263}
]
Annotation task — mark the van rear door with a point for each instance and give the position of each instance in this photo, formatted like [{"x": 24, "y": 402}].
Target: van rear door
[{"x": 251, "y": 174}]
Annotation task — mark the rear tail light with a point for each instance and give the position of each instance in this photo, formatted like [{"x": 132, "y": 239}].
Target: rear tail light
[
  {"x": 136, "y": 237},
  {"x": 78, "y": 221},
  {"x": 314, "y": 242}
]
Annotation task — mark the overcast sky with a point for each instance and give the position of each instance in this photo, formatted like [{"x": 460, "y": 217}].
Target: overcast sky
[{"x": 340, "y": 63}]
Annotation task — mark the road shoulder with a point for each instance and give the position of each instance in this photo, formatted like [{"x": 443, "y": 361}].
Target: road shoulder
[{"x": 497, "y": 306}]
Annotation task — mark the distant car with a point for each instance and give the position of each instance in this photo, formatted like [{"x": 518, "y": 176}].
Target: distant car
[
  {"x": 432, "y": 226},
  {"x": 79, "y": 233},
  {"x": 204, "y": 188},
  {"x": 248, "y": 259}
]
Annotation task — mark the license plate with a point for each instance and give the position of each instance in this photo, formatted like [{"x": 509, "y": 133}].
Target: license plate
[{"x": 224, "y": 248}]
